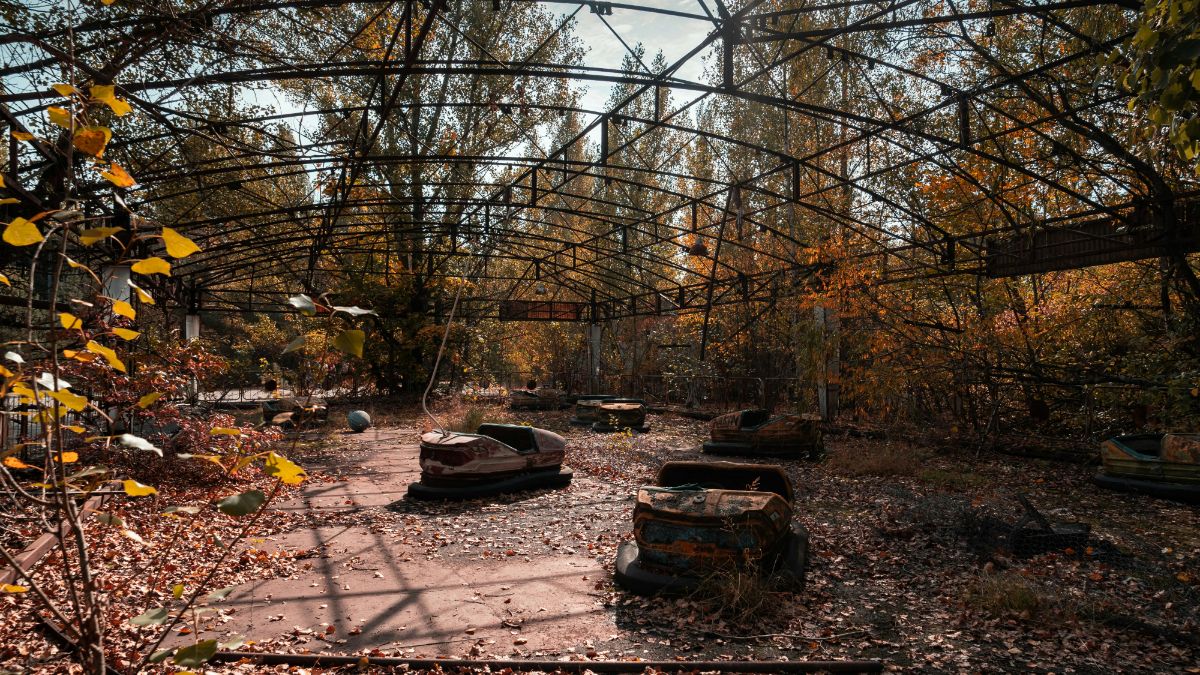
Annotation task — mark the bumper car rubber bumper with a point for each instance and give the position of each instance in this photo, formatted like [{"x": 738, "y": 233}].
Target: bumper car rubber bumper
[
  {"x": 731, "y": 449},
  {"x": 1179, "y": 492},
  {"x": 789, "y": 568},
  {"x": 557, "y": 478}
]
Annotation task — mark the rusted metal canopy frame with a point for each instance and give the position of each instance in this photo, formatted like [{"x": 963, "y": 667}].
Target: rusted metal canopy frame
[{"x": 606, "y": 279}]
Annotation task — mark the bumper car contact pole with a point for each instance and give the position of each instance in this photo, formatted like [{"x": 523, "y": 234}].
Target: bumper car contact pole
[
  {"x": 438, "y": 360},
  {"x": 437, "y": 425}
]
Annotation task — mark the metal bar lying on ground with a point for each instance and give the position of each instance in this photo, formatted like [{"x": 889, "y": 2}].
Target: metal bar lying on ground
[
  {"x": 30, "y": 556},
  {"x": 272, "y": 659}
]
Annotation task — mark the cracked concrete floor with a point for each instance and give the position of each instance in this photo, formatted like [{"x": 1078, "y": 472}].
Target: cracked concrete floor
[{"x": 373, "y": 580}]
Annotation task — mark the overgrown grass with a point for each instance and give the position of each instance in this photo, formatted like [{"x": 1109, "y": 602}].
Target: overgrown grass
[
  {"x": 742, "y": 591},
  {"x": 875, "y": 459},
  {"x": 1008, "y": 593},
  {"x": 739, "y": 594},
  {"x": 469, "y": 419}
]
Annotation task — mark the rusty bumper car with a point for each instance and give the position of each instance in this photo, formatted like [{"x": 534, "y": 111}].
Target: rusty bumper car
[
  {"x": 755, "y": 433},
  {"x": 619, "y": 414},
  {"x": 1159, "y": 465},
  {"x": 542, "y": 398},
  {"x": 290, "y": 411},
  {"x": 586, "y": 408},
  {"x": 498, "y": 458},
  {"x": 706, "y": 517}
]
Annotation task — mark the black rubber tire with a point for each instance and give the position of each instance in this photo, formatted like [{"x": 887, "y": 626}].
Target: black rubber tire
[
  {"x": 530, "y": 481},
  {"x": 790, "y": 569},
  {"x": 792, "y": 564},
  {"x": 631, "y": 575},
  {"x": 1179, "y": 492},
  {"x": 728, "y": 449},
  {"x": 747, "y": 450}
]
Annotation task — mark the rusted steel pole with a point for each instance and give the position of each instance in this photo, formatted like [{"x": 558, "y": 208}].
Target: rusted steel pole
[{"x": 268, "y": 658}]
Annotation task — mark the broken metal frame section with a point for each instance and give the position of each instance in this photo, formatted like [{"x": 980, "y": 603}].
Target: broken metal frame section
[{"x": 1101, "y": 241}]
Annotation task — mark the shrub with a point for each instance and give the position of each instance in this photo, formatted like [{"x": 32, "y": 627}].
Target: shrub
[
  {"x": 470, "y": 420},
  {"x": 738, "y": 593},
  {"x": 1006, "y": 593}
]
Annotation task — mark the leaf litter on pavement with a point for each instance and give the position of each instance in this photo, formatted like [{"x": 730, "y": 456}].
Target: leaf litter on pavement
[{"x": 895, "y": 571}]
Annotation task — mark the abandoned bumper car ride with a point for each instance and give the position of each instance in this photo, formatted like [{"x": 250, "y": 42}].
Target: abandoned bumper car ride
[
  {"x": 587, "y": 407},
  {"x": 498, "y": 458},
  {"x": 703, "y": 519},
  {"x": 1160, "y": 465},
  {"x": 755, "y": 433},
  {"x": 541, "y": 398},
  {"x": 619, "y": 414},
  {"x": 291, "y": 411}
]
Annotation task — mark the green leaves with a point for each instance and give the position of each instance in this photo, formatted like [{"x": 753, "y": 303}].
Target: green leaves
[
  {"x": 109, "y": 518},
  {"x": 295, "y": 344},
  {"x": 220, "y": 594},
  {"x": 1160, "y": 68},
  {"x": 195, "y": 655},
  {"x": 351, "y": 342},
  {"x": 242, "y": 504},
  {"x": 1174, "y": 96},
  {"x": 1145, "y": 38},
  {"x": 152, "y": 617}
]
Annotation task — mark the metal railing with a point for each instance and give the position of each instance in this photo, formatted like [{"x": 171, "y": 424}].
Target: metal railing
[
  {"x": 690, "y": 391},
  {"x": 22, "y": 425}
]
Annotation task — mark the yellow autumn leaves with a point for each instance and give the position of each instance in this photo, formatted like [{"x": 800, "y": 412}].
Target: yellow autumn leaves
[
  {"x": 71, "y": 322},
  {"x": 178, "y": 246},
  {"x": 104, "y": 93},
  {"x": 22, "y": 232},
  {"x": 109, "y": 355},
  {"x": 88, "y": 138},
  {"x": 284, "y": 469},
  {"x": 153, "y": 265},
  {"x": 122, "y": 308},
  {"x": 92, "y": 139},
  {"x": 93, "y": 235}
]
